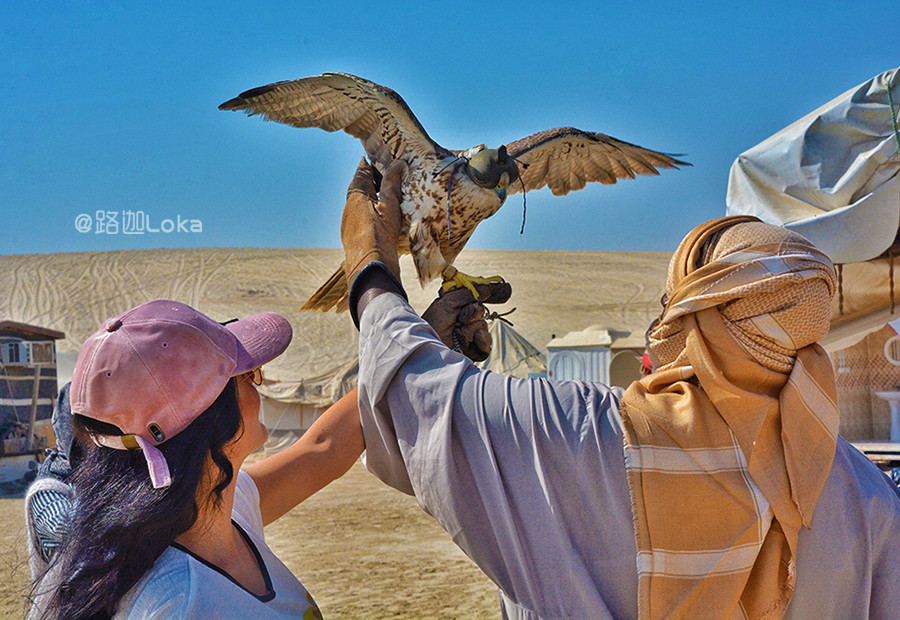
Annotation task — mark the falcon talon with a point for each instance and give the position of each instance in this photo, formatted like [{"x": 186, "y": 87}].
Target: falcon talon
[{"x": 455, "y": 279}]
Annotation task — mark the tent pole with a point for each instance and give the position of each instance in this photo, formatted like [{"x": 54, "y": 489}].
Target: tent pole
[
  {"x": 840, "y": 276},
  {"x": 29, "y": 442},
  {"x": 891, "y": 269}
]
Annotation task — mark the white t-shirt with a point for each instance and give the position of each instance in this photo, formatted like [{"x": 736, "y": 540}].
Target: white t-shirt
[{"x": 181, "y": 585}]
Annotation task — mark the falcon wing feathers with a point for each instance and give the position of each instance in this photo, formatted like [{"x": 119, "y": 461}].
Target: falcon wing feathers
[
  {"x": 374, "y": 114},
  {"x": 565, "y": 159}
]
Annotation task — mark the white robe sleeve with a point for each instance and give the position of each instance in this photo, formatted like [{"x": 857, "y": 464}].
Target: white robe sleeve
[{"x": 520, "y": 472}]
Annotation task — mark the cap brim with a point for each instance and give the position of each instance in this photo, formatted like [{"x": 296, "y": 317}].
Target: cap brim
[{"x": 261, "y": 338}]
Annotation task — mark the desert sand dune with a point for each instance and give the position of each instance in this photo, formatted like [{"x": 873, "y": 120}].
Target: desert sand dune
[{"x": 554, "y": 292}]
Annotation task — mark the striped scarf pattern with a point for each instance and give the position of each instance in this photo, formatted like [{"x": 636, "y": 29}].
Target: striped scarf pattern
[{"x": 728, "y": 444}]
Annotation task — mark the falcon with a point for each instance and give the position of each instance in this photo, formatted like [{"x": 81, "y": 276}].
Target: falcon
[{"x": 446, "y": 192}]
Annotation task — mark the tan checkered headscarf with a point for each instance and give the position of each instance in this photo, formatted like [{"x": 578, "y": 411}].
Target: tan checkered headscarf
[{"x": 729, "y": 442}]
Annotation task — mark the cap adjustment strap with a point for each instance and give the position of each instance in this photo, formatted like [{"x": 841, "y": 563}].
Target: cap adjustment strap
[{"x": 156, "y": 462}]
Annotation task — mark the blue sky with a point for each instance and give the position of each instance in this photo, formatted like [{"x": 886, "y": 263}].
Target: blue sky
[{"x": 111, "y": 107}]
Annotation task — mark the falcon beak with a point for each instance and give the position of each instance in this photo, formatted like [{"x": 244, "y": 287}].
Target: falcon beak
[{"x": 500, "y": 190}]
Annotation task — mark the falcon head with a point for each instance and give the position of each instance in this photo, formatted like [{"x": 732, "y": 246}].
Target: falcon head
[{"x": 493, "y": 169}]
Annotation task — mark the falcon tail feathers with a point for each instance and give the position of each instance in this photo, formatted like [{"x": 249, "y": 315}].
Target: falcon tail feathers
[{"x": 331, "y": 295}]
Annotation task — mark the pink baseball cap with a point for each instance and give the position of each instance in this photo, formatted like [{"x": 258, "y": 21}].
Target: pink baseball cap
[{"x": 154, "y": 369}]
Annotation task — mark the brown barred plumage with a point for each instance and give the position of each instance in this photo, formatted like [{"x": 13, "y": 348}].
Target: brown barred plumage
[{"x": 565, "y": 159}]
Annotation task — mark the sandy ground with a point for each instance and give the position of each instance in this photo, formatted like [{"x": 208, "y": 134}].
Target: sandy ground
[
  {"x": 14, "y": 574},
  {"x": 362, "y": 549}
]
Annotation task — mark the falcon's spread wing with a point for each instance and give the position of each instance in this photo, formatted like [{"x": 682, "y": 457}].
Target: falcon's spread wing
[
  {"x": 375, "y": 114},
  {"x": 567, "y": 158}
]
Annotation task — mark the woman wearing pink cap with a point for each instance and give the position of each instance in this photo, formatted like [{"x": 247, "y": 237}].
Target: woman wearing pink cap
[{"x": 166, "y": 524}]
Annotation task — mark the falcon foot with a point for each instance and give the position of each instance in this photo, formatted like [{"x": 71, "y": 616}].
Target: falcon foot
[{"x": 454, "y": 279}]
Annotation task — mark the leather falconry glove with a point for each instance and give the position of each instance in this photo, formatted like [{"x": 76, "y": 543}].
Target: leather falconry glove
[
  {"x": 459, "y": 318},
  {"x": 370, "y": 226}
]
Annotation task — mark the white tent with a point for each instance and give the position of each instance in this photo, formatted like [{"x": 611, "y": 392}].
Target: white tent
[{"x": 833, "y": 176}]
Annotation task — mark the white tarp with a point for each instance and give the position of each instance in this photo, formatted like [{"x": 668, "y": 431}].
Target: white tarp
[
  {"x": 512, "y": 354},
  {"x": 832, "y": 176}
]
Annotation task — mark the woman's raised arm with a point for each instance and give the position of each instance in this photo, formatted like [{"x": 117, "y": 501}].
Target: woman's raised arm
[{"x": 324, "y": 453}]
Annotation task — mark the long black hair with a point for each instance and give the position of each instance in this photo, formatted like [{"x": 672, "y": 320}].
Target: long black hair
[{"x": 121, "y": 524}]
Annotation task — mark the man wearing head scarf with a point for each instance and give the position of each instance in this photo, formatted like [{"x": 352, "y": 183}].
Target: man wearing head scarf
[
  {"x": 739, "y": 422},
  {"x": 715, "y": 487}
]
